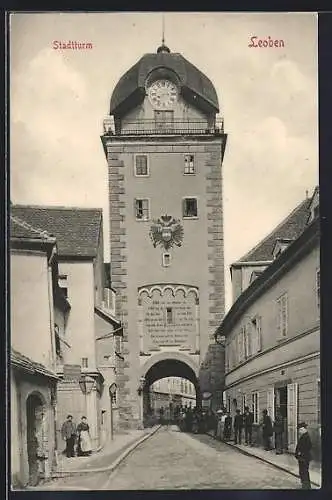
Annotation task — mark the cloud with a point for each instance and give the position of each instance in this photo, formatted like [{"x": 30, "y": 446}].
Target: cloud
[
  {"x": 51, "y": 158},
  {"x": 49, "y": 97}
]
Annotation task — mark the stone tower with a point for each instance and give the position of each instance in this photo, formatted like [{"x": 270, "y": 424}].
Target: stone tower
[{"x": 164, "y": 145}]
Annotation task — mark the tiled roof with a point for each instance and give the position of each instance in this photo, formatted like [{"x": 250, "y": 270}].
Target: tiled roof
[
  {"x": 76, "y": 229},
  {"x": 21, "y": 229},
  {"x": 19, "y": 360},
  {"x": 290, "y": 228}
]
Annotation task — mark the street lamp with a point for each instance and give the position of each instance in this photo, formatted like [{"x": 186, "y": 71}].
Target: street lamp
[
  {"x": 220, "y": 339},
  {"x": 86, "y": 384},
  {"x": 112, "y": 392},
  {"x": 140, "y": 393},
  {"x": 141, "y": 385}
]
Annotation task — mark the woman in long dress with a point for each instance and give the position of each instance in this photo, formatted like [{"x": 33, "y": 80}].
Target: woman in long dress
[{"x": 84, "y": 447}]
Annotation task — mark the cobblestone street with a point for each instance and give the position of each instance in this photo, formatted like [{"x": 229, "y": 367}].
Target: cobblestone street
[
  {"x": 171, "y": 459},
  {"x": 174, "y": 460}
]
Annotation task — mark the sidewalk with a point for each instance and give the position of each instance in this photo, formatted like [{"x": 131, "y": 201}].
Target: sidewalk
[
  {"x": 101, "y": 460},
  {"x": 286, "y": 461}
]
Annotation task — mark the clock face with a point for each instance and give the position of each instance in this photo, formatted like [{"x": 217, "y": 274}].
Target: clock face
[{"x": 163, "y": 94}]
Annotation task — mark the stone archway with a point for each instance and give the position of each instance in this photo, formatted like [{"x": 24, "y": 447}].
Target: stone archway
[
  {"x": 36, "y": 435},
  {"x": 163, "y": 365}
]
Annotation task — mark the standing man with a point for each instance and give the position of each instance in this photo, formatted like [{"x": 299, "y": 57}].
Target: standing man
[
  {"x": 278, "y": 433},
  {"x": 248, "y": 422},
  {"x": 68, "y": 433},
  {"x": 227, "y": 427},
  {"x": 303, "y": 455},
  {"x": 238, "y": 424},
  {"x": 267, "y": 431}
]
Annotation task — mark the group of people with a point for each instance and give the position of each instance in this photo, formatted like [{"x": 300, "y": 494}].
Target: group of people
[
  {"x": 196, "y": 420},
  {"x": 245, "y": 422},
  {"x": 79, "y": 435}
]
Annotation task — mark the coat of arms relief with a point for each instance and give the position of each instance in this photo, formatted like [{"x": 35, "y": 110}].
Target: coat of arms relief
[{"x": 166, "y": 232}]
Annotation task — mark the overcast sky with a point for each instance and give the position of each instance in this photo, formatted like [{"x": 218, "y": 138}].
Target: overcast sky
[{"x": 268, "y": 97}]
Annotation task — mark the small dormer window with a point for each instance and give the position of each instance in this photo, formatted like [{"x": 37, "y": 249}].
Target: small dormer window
[{"x": 280, "y": 246}]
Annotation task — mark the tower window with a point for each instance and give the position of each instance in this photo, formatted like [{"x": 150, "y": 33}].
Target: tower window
[
  {"x": 141, "y": 165},
  {"x": 166, "y": 259},
  {"x": 85, "y": 363},
  {"x": 142, "y": 209},
  {"x": 164, "y": 120},
  {"x": 189, "y": 167},
  {"x": 169, "y": 315},
  {"x": 190, "y": 207}
]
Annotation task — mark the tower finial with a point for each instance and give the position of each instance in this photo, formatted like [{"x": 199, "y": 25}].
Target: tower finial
[
  {"x": 163, "y": 30},
  {"x": 163, "y": 48}
]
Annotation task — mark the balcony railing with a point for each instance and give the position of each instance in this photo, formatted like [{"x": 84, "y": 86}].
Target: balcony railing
[{"x": 155, "y": 127}]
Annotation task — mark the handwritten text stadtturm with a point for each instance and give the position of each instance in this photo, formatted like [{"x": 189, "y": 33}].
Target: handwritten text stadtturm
[
  {"x": 71, "y": 45},
  {"x": 266, "y": 43}
]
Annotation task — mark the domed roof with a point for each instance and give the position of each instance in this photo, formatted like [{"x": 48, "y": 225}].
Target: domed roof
[{"x": 195, "y": 86}]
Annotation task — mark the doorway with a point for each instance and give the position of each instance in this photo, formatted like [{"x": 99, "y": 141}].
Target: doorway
[
  {"x": 281, "y": 403},
  {"x": 35, "y": 412}
]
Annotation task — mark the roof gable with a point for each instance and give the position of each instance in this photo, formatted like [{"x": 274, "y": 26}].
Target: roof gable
[{"x": 76, "y": 230}]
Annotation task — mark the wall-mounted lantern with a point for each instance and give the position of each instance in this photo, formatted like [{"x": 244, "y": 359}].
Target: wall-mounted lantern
[
  {"x": 220, "y": 339},
  {"x": 86, "y": 384},
  {"x": 141, "y": 385}
]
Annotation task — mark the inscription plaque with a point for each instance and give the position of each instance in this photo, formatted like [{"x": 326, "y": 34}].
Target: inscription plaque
[{"x": 169, "y": 320}]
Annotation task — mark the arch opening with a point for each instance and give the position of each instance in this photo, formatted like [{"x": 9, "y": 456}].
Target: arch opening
[
  {"x": 36, "y": 435},
  {"x": 162, "y": 404}
]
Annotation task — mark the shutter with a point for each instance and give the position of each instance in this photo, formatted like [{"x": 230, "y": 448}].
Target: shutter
[
  {"x": 234, "y": 353},
  {"x": 259, "y": 334},
  {"x": 279, "y": 309},
  {"x": 244, "y": 340},
  {"x": 248, "y": 340},
  {"x": 243, "y": 346},
  {"x": 184, "y": 212},
  {"x": 257, "y": 405},
  {"x": 253, "y": 337},
  {"x": 270, "y": 402},
  {"x": 239, "y": 341},
  {"x": 286, "y": 315},
  {"x": 292, "y": 397}
]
